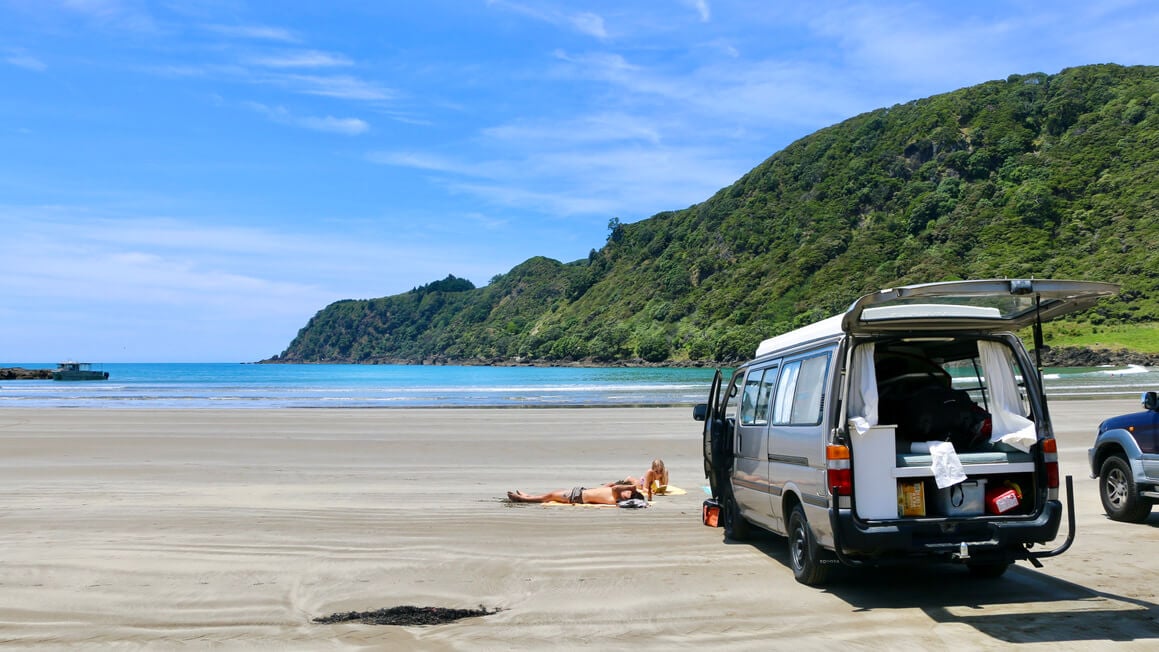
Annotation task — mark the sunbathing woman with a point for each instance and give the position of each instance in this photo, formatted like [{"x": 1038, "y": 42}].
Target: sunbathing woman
[
  {"x": 654, "y": 480},
  {"x": 607, "y": 495}
]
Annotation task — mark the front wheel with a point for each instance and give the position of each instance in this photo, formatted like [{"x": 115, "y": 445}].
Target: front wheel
[
  {"x": 805, "y": 554},
  {"x": 736, "y": 528},
  {"x": 1120, "y": 495}
]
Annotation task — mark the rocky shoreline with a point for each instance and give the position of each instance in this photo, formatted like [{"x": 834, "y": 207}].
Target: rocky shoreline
[
  {"x": 1073, "y": 356},
  {"x": 20, "y": 373},
  {"x": 1064, "y": 356}
]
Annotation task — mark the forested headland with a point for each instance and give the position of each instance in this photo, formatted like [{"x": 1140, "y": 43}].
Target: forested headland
[{"x": 1036, "y": 175}]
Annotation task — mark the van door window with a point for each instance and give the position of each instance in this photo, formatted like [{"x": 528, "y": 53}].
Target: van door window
[
  {"x": 748, "y": 403},
  {"x": 758, "y": 394}
]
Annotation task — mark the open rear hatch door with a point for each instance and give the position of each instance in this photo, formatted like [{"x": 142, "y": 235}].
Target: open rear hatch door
[{"x": 987, "y": 305}]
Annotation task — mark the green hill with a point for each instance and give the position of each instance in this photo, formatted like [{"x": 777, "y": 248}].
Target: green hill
[{"x": 1050, "y": 176}]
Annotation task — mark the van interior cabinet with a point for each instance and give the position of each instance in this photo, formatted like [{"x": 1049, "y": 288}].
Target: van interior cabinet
[{"x": 874, "y": 457}]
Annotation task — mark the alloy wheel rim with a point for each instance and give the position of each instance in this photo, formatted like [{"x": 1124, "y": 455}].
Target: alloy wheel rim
[{"x": 1116, "y": 487}]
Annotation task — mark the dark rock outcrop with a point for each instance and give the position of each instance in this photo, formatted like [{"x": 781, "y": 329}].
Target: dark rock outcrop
[
  {"x": 1073, "y": 356},
  {"x": 20, "y": 373}
]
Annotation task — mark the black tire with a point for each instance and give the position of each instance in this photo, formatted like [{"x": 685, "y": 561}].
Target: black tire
[
  {"x": 736, "y": 528},
  {"x": 1120, "y": 495},
  {"x": 988, "y": 570},
  {"x": 805, "y": 555}
]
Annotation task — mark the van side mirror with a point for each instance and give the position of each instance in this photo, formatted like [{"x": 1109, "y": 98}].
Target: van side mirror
[
  {"x": 1150, "y": 400},
  {"x": 700, "y": 411}
]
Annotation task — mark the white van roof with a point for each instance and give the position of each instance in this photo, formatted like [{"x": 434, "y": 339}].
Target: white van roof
[{"x": 986, "y": 305}]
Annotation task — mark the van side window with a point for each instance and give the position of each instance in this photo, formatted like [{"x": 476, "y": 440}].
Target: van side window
[{"x": 801, "y": 392}]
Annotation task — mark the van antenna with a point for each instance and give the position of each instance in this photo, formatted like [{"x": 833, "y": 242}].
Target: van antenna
[{"x": 1038, "y": 334}]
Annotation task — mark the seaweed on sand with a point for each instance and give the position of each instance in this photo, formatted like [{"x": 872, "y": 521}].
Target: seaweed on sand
[{"x": 406, "y": 615}]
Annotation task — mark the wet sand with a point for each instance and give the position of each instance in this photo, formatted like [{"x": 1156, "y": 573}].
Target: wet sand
[{"x": 233, "y": 529}]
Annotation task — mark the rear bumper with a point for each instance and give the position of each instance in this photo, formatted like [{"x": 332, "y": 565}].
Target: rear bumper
[{"x": 999, "y": 537}]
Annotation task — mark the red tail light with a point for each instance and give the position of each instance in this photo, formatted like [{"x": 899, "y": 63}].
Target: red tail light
[
  {"x": 838, "y": 472},
  {"x": 1050, "y": 456}
]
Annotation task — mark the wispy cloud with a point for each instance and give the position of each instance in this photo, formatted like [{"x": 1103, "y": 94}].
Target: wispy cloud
[
  {"x": 117, "y": 14},
  {"x": 254, "y": 32},
  {"x": 428, "y": 162},
  {"x": 343, "y": 87},
  {"x": 582, "y": 22},
  {"x": 701, "y": 7},
  {"x": 595, "y": 128},
  {"x": 301, "y": 59},
  {"x": 23, "y": 60},
  {"x": 590, "y": 24},
  {"x": 281, "y": 115}
]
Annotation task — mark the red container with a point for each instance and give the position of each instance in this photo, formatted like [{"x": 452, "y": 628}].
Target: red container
[
  {"x": 1001, "y": 499},
  {"x": 711, "y": 513}
]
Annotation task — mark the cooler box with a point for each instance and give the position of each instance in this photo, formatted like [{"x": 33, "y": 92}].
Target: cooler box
[{"x": 967, "y": 498}]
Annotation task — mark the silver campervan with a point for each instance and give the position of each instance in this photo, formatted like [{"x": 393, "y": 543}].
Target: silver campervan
[{"x": 911, "y": 427}]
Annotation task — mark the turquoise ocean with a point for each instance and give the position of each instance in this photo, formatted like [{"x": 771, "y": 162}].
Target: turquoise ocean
[{"x": 234, "y": 385}]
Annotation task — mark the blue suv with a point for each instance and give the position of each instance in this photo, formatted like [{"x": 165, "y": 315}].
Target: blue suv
[{"x": 1125, "y": 459}]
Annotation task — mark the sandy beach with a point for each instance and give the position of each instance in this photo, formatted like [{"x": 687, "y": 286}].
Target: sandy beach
[{"x": 234, "y": 529}]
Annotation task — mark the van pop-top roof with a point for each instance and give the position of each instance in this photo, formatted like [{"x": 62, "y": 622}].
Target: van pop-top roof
[{"x": 986, "y": 305}]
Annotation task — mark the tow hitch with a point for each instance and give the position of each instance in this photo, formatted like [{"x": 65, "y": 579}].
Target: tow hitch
[{"x": 1033, "y": 557}]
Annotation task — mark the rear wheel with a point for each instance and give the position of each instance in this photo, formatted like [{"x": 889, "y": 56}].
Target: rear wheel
[
  {"x": 805, "y": 554},
  {"x": 1119, "y": 494}
]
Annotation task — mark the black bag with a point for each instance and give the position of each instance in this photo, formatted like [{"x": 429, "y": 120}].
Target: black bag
[{"x": 936, "y": 413}]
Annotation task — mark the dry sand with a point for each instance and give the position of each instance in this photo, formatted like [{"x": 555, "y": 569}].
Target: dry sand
[{"x": 230, "y": 529}]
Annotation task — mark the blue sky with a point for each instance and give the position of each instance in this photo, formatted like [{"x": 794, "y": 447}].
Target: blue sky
[{"x": 193, "y": 180}]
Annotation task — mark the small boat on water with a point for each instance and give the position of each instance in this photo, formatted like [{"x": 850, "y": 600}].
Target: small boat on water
[{"x": 78, "y": 371}]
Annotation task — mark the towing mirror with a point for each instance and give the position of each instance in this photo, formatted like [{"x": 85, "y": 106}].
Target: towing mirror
[
  {"x": 1150, "y": 400},
  {"x": 700, "y": 411}
]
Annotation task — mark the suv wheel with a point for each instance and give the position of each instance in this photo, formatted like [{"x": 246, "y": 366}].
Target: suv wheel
[
  {"x": 1119, "y": 494},
  {"x": 805, "y": 554}
]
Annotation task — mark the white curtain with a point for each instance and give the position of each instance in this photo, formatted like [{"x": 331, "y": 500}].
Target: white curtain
[
  {"x": 863, "y": 389},
  {"x": 1009, "y": 426}
]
